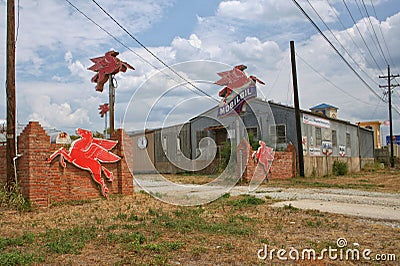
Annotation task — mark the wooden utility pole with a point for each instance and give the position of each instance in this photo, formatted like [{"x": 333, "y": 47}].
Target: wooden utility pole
[
  {"x": 111, "y": 101},
  {"x": 297, "y": 110},
  {"x": 10, "y": 91},
  {"x": 389, "y": 87}
]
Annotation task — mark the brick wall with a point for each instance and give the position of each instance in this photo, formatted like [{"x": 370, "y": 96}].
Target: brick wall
[
  {"x": 44, "y": 183},
  {"x": 283, "y": 166}
]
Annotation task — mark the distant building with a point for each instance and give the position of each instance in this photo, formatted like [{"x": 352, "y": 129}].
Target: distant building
[
  {"x": 324, "y": 109},
  {"x": 376, "y": 127},
  {"x": 323, "y": 136}
]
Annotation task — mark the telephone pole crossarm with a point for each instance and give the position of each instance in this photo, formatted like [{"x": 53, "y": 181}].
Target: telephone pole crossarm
[{"x": 389, "y": 87}]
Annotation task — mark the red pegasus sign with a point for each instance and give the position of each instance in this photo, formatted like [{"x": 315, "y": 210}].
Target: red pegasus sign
[
  {"x": 103, "y": 109},
  {"x": 87, "y": 153},
  {"x": 238, "y": 89},
  {"x": 235, "y": 79},
  {"x": 264, "y": 155},
  {"x": 105, "y": 66}
]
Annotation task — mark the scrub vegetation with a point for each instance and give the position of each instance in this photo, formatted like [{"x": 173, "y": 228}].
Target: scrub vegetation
[{"x": 140, "y": 230}]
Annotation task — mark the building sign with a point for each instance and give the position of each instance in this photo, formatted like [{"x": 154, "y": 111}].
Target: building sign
[
  {"x": 396, "y": 140},
  {"x": 327, "y": 147},
  {"x": 315, "y": 151},
  {"x": 236, "y": 103},
  {"x": 238, "y": 89},
  {"x": 316, "y": 121},
  {"x": 88, "y": 153},
  {"x": 342, "y": 150},
  {"x": 304, "y": 144}
]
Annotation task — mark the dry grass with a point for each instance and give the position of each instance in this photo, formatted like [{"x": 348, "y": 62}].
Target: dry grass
[
  {"x": 370, "y": 179},
  {"x": 383, "y": 180},
  {"x": 140, "y": 230}
]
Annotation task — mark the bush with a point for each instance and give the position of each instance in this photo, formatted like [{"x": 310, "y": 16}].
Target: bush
[{"x": 340, "y": 168}]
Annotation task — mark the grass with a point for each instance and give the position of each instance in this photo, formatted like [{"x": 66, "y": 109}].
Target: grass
[
  {"x": 13, "y": 199},
  {"x": 383, "y": 180},
  {"x": 140, "y": 230},
  {"x": 69, "y": 241}
]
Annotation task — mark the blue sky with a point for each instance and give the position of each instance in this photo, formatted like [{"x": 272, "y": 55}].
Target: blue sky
[{"x": 55, "y": 44}]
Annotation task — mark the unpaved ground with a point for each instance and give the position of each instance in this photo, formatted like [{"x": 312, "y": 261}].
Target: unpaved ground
[
  {"x": 375, "y": 205},
  {"x": 365, "y": 204}
]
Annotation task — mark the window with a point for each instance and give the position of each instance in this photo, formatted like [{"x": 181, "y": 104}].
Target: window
[
  {"x": 318, "y": 136},
  {"x": 348, "y": 140},
  {"x": 252, "y": 133},
  {"x": 334, "y": 138},
  {"x": 279, "y": 133},
  {"x": 178, "y": 146}
]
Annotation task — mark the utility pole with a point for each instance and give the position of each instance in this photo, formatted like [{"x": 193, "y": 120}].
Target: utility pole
[
  {"x": 10, "y": 91},
  {"x": 389, "y": 87},
  {"x": 111, "y": 102},
  {"x": 297, "y": 110}
]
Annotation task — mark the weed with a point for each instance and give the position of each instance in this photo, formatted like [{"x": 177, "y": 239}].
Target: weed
[
  {"x": 26, "y": 238},
  {"x": 133, "y": 217},
  {"x": 246, "y": 200},
  {"x": 121, "y": 216},
  {"x": 290, "y": 207},
  {"x": 153, "y": 212},
  {"x": 340, "y": 168},
  {"x": 135, "y": 237},
  {"x": 163, "y": 247},
  {"x": 71, "y": 203},
  {"x": 70, "y": 241},
  {"x": 229, "y": 246},
  {"x": 18, "y": 258},
  {"x": 13, "y": 199}
]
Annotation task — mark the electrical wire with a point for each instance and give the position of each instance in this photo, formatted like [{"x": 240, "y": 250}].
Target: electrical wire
[
  {"x": 383, "y": 37},
  {"x": 123, "y": 44},
  {"x": 152, "y": 54},
  {"x": 358, "y": 29},
  {"x": 334, "y": 48},
  {"x": 352, "y": 39},
  {"x": 329, "y": 81},
  {"x": 338, "y": 41},
  {"x": 374, "y": 32}
]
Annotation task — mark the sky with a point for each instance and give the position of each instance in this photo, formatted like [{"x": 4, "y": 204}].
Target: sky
[{"x": 198, "y": 39}]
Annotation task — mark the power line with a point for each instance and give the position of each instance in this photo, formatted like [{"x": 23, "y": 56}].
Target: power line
[
  {"x": 338, "y": 41},
  {"x": 334, "y": 48},
  {"x": 329, "y": 81},
  {"x": 373, "y": 29},
  {"x": 124, "y": 45},
  {"x": 358, "y": 29},
  {"x": 383, "y": 37},
  {"x": 155, "y": 56}
]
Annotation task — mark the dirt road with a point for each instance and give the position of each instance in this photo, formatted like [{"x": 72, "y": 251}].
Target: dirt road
[{"x": 373, "y": 205}]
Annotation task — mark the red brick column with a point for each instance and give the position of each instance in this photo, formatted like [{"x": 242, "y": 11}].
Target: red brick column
[
  {"x": 32, "y": 168},
  {"x": 124, "y": 149}
]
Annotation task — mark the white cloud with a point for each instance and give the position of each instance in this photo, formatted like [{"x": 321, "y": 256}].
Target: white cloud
[{"x": 272, "y": 11}]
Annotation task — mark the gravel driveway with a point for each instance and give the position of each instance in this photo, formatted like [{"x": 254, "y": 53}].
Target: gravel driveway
[{"x": 373, "y": 205}]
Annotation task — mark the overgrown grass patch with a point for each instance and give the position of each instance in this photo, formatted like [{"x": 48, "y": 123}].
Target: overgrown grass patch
[
  {"x": 13, "y": 199},
  {"x": 246, "y": 200},
  {"x": 25, "y": 239},
  {"x": 69, "y": 241},
  {"x": 17, "y": 258}
]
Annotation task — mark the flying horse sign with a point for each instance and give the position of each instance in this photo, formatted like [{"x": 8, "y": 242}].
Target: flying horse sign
[
  {"x": 238, "y": 88},
  {"x": 88, "y": 153}
]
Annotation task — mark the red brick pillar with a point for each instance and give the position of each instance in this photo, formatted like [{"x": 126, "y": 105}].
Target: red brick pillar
[
  {"x": 124, "y": 149},
  {"x": 33, "y": 145}
]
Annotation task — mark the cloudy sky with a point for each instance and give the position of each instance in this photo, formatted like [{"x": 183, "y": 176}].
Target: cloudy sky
[{"x": 55, "y": 43}]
